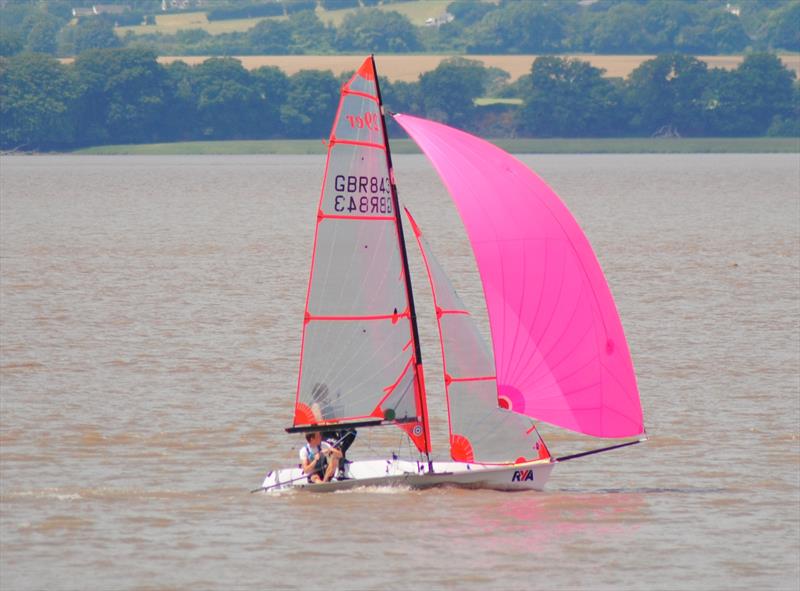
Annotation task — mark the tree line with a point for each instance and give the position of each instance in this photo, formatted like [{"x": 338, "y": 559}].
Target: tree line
[
  {"x": 123, "y": 95},
  {"x": 504, "y": 27}
]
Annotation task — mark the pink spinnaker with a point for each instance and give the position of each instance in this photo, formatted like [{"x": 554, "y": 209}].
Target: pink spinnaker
[{"x": 559, "y": 347}]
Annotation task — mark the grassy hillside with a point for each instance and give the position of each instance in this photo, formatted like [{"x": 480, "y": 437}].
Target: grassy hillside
[
  {"x": 170, "y": 24},
  {"x": 417, "y": 13}
]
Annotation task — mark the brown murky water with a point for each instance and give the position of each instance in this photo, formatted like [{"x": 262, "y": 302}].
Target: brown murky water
[{"x": 149, "y": 327}]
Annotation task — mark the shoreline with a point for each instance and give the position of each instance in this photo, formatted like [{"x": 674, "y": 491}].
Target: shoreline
[{"x": 768, "y": 145}]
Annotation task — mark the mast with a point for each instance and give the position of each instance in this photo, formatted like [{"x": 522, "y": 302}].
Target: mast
[{"x": 406, "y": 272}]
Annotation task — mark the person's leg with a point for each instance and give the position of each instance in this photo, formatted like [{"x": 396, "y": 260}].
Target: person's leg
[
  {"x": 347, "y": 440},
  {"x": 333, "y": 464}
]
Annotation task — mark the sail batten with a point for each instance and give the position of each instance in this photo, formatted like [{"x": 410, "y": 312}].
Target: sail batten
[{"x": 560, "y": 353}]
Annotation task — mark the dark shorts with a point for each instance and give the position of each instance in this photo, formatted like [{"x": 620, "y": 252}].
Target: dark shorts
[{"x": 321, "y": 472}]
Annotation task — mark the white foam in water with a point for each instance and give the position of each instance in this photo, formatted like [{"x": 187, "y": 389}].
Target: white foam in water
[
  {"x": 379, "y": 490},
  {"x": 46, "y": 494}
]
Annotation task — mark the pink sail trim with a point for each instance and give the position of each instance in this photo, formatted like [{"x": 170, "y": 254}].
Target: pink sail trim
[{"x": 560, "y": 350}]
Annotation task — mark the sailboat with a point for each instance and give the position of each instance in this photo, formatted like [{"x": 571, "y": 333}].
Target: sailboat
[{"x": 558, "y": 353}]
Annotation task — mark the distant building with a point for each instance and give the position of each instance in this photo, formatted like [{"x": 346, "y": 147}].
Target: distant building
[
  {"x": 180, "y": 4},
  {"x": 734, "y": 10},
  {"x": 100, "y": 9},
  {"x": 110, "y": 8},
  {"x": 439, "y": 20}
]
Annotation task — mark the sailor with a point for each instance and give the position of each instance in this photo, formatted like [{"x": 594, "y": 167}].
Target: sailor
[
  {"x": 341, "y": 440},
  {"x": 319, "y": 459}
]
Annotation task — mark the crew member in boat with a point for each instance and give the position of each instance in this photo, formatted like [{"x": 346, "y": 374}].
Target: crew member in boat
[
  {"x": 324, "y": 409},
  {"x": 341, "y": 440},
  {"x": 319, "y": 459}
]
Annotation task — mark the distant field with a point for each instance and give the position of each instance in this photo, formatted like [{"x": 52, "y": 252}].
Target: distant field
[
  {"x": 518, "y": 146},
  {"x": 408, "y": 67},
  {"x": 417, "y": 13},
  {"x": 169, "y": 24},
  {"x": 484, "y": 101}
]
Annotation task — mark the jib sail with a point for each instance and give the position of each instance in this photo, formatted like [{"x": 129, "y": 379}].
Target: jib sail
[{"x": 480, "y": 431}]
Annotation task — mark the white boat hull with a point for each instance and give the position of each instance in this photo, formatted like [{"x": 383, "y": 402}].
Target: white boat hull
[{"x": 405, "y": 473}]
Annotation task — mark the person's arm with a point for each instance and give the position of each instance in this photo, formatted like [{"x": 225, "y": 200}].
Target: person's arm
[
  {"x": 309, "y": 467},
  {"x": 331, "y": 451}
]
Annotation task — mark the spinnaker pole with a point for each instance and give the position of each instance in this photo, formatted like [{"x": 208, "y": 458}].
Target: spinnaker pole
[
  {"x": 419, "y": 377},
  {"x": 597, "y": 451}
]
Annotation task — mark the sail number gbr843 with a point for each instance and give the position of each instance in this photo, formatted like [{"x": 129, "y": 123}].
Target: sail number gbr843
[{"x": 362, "y": 195}]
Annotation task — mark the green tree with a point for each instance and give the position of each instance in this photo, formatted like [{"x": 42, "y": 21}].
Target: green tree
[
  {"x": 310, "y": 103},
  {"x": 272, "y": 86},
  {"x": 667, "y": 93},
  {"x": 235, "y": 43},
  {"x": 375, "y": 30},
  {"x": 788, "y": 123},
  {"x": 448, "y": 38},
  {"x": 13, "y": 15},
  {"x": 401, "y": 97},
  {"x": 94, "y": 33},
  {"x": 309, "y": 34},
  {"x": 783, "y": 27},
  {"x": 448, "y": 93},
  {"x": 226, "y": 99},
  {"x": 42, "y": 32},
  {"x": 10, "y": 42},
  {"x": 761, "y": 90},
  {"x": 37, "y": 102},
  {"x": 271, "y": 37},
  {"x": 338, "y": 4},
  {"x": 191, "y": 36},
  {"x": 662, "y": 21},
  {"x": 468, "y": 12},
  {"x": 621, "y": 30},
  {"x": 59, "y": 8},
  {"x": 660, "y": 26},
  {"x": 65, "y": 40},
  {"x": 570, "y": 98},
  {"x": 293, "y": 6},
  {"x": 519, "y": 27},
  {"x": 123, "y": 95},
  {"x": 245, "y": 9},
  {"x": 179, "y": 114},
  {"x": 727, "y": 33}
]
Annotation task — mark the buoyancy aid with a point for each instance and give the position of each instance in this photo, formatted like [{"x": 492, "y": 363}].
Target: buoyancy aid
[{"x": 311, "y": 455}]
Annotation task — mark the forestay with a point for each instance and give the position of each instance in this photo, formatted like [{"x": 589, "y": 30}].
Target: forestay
[
  {"x": 559, "y": 349},
  {"x": 358, "y": 360}
]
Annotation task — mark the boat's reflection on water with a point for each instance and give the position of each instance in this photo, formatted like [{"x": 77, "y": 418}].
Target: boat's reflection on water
[{"x": 531, "y": 522}]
